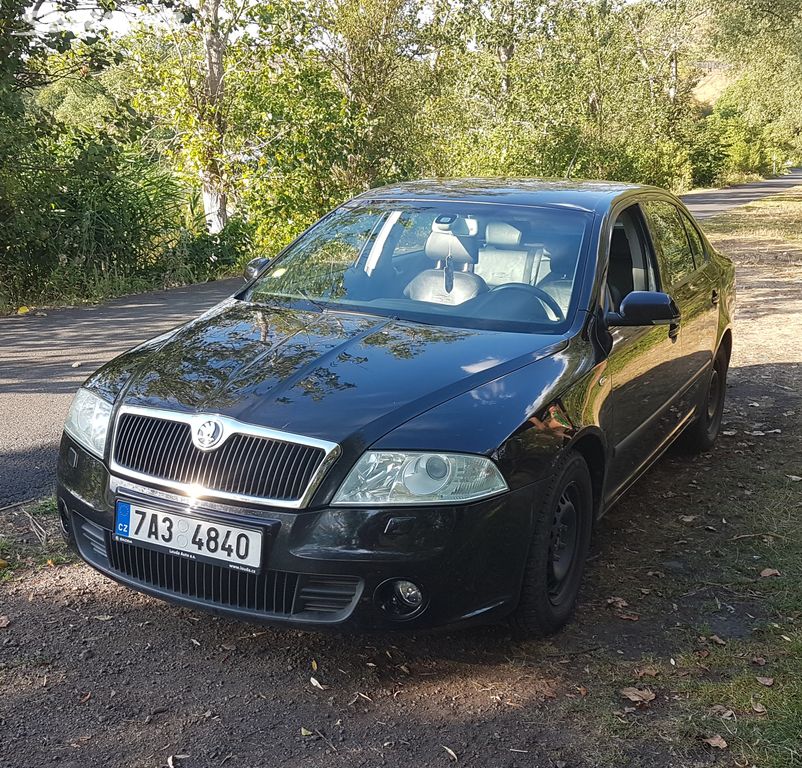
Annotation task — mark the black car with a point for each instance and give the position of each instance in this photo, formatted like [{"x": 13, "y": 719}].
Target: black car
[{"x": 413, "y": 415}]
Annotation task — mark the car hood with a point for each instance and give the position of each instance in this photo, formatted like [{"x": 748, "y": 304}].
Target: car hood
[{"x": 328, "y": 375}]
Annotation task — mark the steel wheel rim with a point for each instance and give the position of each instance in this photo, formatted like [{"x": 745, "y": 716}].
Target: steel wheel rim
[
  {"x": 713, "y": 396},
  {"x": 563, "y": 543}
]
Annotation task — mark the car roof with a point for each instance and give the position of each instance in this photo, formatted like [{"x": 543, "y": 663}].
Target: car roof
[{"x": 584, "y": 195}]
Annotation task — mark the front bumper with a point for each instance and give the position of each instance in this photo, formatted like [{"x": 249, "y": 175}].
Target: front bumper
[{"x": 330, "y": 566}]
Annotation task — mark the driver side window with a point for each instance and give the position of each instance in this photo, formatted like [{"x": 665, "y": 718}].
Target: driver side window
[{"x": 631, "y": 263}]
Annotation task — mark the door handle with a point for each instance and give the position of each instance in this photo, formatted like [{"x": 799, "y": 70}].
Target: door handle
[
  {"x": 714, "y": 297},
  {"x": 673, "y": 330}
]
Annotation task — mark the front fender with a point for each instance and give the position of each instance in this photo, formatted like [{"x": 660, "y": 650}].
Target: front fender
[{"x": 523, "y": 420}]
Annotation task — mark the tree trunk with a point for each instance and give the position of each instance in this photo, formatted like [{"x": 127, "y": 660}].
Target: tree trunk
[
  {"x": 215, "y": 204},
  {"x": 215, "y": 199}
]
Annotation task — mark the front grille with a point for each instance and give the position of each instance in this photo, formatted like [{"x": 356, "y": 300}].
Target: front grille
[
  {"x": 269, "y": 593},
  {"x": 244, "y": 465},
  {"x": 266, "y": 592},
  {"x": 326, "y": 594}
]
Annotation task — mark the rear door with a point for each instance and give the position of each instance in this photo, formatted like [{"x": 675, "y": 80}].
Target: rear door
[{"x": 689, "y": 283}]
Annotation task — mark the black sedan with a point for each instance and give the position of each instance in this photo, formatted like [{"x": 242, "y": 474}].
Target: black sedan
[{"x": 413, "y": 415}]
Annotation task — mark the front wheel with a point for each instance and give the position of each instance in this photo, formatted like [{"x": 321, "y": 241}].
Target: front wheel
[
  {"x": 557, "y": 553},
  {"x": 702, "y": 433}
]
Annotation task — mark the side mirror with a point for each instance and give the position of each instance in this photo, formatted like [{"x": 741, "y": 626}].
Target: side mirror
[
  {"x": 254, "y": 267},
  {"x": 645, "y": 308}
]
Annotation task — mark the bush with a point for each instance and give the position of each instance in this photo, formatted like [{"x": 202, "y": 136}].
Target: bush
[{"x": 82, "y": 217}]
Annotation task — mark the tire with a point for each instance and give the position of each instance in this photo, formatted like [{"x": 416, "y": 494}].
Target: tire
[
  {"x": 701, "y": 434},
  {"x": 551, "y": 583}
]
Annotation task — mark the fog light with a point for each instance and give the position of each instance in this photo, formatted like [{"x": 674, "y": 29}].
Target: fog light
[
  {"x": 400, "y": 599},
  {"x": 409, "y": 593}
]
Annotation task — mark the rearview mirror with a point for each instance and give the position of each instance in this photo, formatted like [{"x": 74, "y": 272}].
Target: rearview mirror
[
  {"x": 254, "y": 267},
  {"x": 645, "y": 308}
]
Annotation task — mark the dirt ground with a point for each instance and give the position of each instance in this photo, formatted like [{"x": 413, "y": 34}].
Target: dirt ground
[{"x": 92, "y": 674}]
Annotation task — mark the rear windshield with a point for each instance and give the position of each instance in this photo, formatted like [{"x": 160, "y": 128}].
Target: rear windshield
[{"x": 454, "y": 264}]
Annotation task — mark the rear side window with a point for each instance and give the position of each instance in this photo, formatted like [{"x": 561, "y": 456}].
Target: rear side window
[
  {"x": 670, "y": 238},
  {"x": 695, "y": 240}
]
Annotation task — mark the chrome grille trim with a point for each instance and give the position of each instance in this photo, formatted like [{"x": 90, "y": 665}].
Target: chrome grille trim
[{"x": 293, "y": 458}]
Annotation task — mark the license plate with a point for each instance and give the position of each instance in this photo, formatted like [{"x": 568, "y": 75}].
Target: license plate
[{"x": 190, "y": 537}]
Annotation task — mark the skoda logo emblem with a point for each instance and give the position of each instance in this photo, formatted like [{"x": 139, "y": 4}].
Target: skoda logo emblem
[{"x": 207, "y": 434}]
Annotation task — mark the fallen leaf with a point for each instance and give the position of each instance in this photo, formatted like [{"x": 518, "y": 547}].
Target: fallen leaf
[
  {"x": 656, "y": 574},
  {"x": 23, "y": 310},
  {"x": 794, "y": 478},
  {"x": 617, "y": 602},
  {"x": 314, "y": 665},
  {"x": 76, "y": 364},
  {"x": 717, "y": 640},
  {"x": 628, "y": 616},
  {"x": 759, "y": 661},
  {"x": 104, "y": 617},
  {"x": 4, "y": 621},
  {"x": 647, "y": 671},
  {"x": 767, "y": 681},
  {"x": 767, "y": 572},
  {"x": 638, "y": 695},
  {"x": 716, "y": 741},
  {"x": 582, "y": 690},
  {"x": 86, "y": 697},
  {"x": 688, "y": 518},
  {"x": 305, "y": 732},
  {"x": 725, "y": 713},
  {"x": 317, "y": 684},
  {"x": 451, "y": 753},
  {"x": 729, "y": 432},
  {"x": 758, "y": 708},
  {"x": 194, "y": 641},
  {"x": 3, "y": 563}
]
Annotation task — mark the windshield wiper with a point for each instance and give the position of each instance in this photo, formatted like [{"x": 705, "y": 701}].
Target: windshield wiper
[{"x": 320, "y": 307}]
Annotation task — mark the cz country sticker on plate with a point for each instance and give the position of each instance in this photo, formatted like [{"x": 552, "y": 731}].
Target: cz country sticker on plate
[{"x": 189, "y": 537}]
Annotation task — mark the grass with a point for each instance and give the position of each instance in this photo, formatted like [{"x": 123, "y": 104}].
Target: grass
[
  {"x": 30, "y": 537},
  {"x": 773, "y": 738},
  {"x": 767, "y": 230},
  {"x": 704, "y": 689}
]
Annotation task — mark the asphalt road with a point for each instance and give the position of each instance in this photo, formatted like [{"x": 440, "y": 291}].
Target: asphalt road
[
  {"x": 37, "y": 380},
  {"x": 712, "y": 201},
  {"x": 37, "y": 353}
]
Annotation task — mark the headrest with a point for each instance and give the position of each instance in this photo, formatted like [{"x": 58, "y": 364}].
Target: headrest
[
  {"x": 462, "y": 249},
  {"x": 563, "y": 255},
  {"x": 458, "y": 225},
  {"x": 502, "y": 235}
]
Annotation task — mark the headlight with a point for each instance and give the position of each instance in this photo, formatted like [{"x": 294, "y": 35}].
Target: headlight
[
  {"x": 390, "y": 477},
  {"x": 88, "y": 421}
]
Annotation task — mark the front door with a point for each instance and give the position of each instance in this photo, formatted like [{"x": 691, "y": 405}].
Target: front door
[{"x": 643, "y": 361}]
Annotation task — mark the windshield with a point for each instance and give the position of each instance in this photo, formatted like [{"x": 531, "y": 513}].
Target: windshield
[{"x": 456, "y": 264}]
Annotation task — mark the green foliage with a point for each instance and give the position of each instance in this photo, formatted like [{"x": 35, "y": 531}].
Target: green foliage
[{"x": 116, "y": 153}]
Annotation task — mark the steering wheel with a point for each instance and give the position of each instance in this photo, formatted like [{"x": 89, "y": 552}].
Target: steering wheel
[{"x": 545, "y": 298}]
